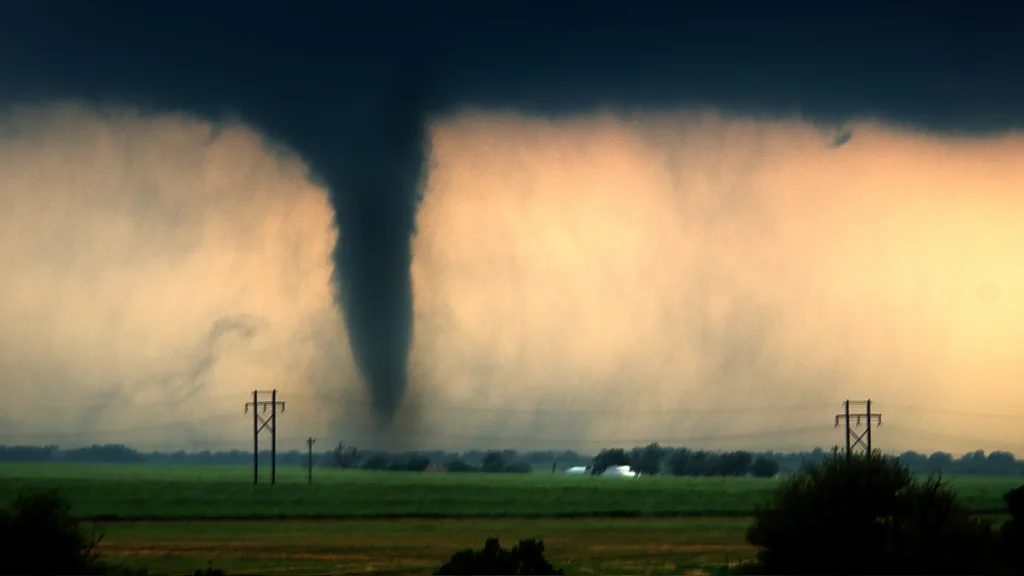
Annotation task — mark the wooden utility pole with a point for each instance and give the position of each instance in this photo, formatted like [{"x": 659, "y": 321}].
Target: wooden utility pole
[
  {"x": 309, "y": 444},
  {"x": 258, "y": 424},
  {"x": 862, "y": 440}
]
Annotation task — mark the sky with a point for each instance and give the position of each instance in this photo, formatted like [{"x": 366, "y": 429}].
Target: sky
[{"x": 595, "y": 227}]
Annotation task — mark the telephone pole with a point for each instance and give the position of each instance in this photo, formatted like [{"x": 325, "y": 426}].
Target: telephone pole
[
  {"x": 309, "y": 444},
  {"x": 853, "y": 439},
  {"x": 258, "y": 424}
]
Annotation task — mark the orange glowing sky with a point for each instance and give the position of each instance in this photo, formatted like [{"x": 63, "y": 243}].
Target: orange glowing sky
[{"x": 686, "y": 278}]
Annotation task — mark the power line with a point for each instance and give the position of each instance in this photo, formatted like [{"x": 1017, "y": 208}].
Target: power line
[
  {"x": 948, "y": 412},
  {"x": 439, "y": 405},
  {"x": 435, "y": 405}
]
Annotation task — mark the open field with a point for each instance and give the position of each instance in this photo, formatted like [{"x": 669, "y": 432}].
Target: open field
[
  {"x": 418, "y": 546},
  {"x": 166, "y": 492},
  {"x": 174, "y": 520}
]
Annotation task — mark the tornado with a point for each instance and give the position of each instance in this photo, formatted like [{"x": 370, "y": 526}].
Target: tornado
[{"x": 376, "y": 187}]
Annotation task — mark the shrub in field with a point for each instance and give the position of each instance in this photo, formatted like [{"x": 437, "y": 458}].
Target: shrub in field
[
  {"x": 39, "y": 536},
  {"x": 493, "y": 560},
  {"x": 209, "y": 571},
  {"x": 868, "y": 515},
  {"x": 1013, "y": 531}
]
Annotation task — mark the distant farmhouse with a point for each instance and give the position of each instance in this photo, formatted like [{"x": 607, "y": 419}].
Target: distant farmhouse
[{"x": 617, "y": 471}]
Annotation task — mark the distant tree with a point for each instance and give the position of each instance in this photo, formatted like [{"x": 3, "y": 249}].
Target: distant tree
[
  {"x": 27, "y": 453},
  {"x": 734, "y": 463},
  {"x": 345, "y": 456},
  {"x": 704, "y": 463},
  {"x": 493, "y": 462},
  {"x": 764, "y": 467},
  {"x": 519, "y": 467},
  {"x": 459, "y": 466},
  {"x": 940, "y": 462},
  {"x": 106, "y": 453},
  {"x": 376, "y": 462},
  {"x": 973, "y": 462},
  {"x": 647, "y": 460},
  {"x": 1000, "y": 462},
  {"x": 411, "y": 464},
  {"x": 608, "y": 458},
  {"x": 679, "y": 462}
]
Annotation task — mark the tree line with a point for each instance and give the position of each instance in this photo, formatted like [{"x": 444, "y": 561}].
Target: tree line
[{"x": 649, "y": 460}]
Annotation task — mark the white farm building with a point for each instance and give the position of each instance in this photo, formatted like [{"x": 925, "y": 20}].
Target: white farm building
[{"x": 617, "y": 471}]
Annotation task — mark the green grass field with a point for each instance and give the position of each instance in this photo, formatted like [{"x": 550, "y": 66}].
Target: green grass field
[
  {"x": 177, "y": 519},
  {"x": 212, "y": 492}
]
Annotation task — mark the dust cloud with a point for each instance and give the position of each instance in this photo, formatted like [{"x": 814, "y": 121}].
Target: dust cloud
[
  {"x": 156, "y": 270},
  {"x": 715, "y": 281},
  {"x": 596, "y": 280}
]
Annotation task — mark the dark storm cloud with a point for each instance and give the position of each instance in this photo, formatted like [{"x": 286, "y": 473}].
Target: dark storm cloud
[{"x": 350, "y": 87}]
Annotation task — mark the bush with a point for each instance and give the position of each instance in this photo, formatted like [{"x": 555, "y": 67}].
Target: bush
[
  {"x": 1013, "y": 530},
  {"x": 39, "y": 536},
  {"x": 526, "y": 558},
  {"x": 867, "y": 515}
]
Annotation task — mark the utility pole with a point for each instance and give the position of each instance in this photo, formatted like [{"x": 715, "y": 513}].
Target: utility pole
[
  {"x": 862, "y": 440},
  {"x": 309, "y": 443},
  {"x": 258, "y": 424}
]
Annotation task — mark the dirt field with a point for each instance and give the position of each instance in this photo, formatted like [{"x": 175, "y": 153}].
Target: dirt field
[{"x": 590, "y": 546}]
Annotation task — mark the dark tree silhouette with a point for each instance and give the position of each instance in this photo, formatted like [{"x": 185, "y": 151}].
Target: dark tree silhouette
[
  {"x": 608, "y": 458},
  {"x": 493, "y": 462},
  {"x": 647, "y": 460},
  {"x": 345, "y": 456},
  {"x": 459, "y": 466},
  {"x": 40, "y": 536},
  {"x": 1013, "y": 531},
  {"x": 376, "y": 462},
  {"x": 519, "y": 467},
  {"x": 414, "y": 463},
  {"x": 525, "y": 558},
  {"x": 764, "y": 467},
  {"x": 874, "y": 507}
]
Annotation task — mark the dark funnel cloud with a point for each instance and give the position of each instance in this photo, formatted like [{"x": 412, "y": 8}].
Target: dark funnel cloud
[{"x": 351, "y": 87}]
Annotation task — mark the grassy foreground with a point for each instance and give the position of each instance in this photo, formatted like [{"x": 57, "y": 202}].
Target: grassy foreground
[{"x": 211, "y": 492}]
